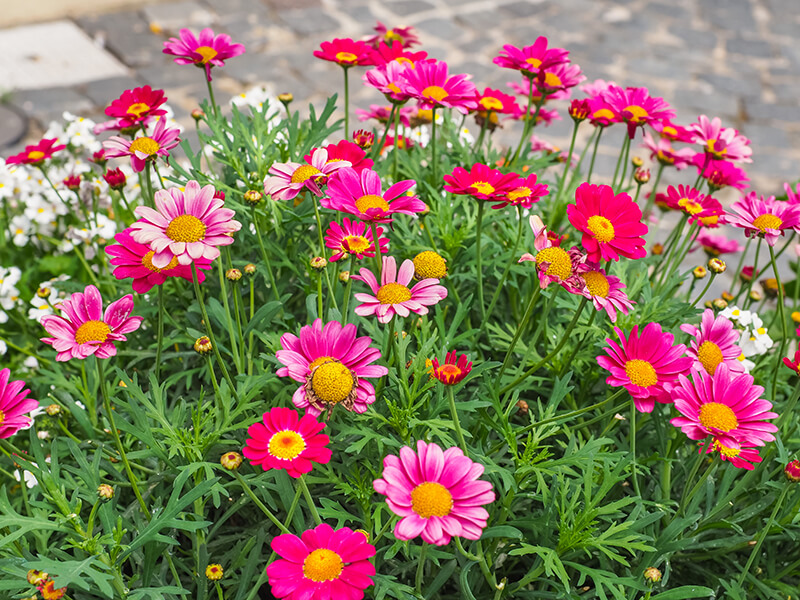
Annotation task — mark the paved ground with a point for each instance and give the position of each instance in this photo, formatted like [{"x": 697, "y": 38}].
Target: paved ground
[{"x": 736, "y": 59}]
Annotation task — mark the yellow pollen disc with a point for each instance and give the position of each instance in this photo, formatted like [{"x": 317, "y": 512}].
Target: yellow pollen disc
[
  {"x": 603, "y": 113},
  {"x": 725, "y": 451},
  {"x": 403, "y": 61},
  {"x": 186, "y": 228},
  {"x": 393, "y": 86},
  {"x": 709, "y": 221},
  {"x": 346, "y": 57},
  {"x": 304, "y": 173},
  {"x": 761, "y": 331},
  {"x": 391, "y": 36},
  {"x": 450, "y": 369},
  {"x": 137, "y": 109},
  {"x": 490, "y": 103},
  {"x": 146, "y": 145},
  {"x": 552, "y": 80},
  {"x": 690, "y": 206},
  {"x": 482, "y": 187},
  {"x": 429, "y": 265},
  {"x": 364, "y": 203},
  {"x": 286, "y": 444},
  {"x": 431, "y": 499},
  {"x": 560, "y": 262},
  {"x": 670, "y": 160},
  {"x": 596, "y": 283},
  {"x": 519, "y": 193},
  {"x": 669, "y": 132},
  {"x": 35, "y": 155},
  {"x": 601, "y": 228},
  {"x": 393, "y": 293},
  {"x": 357, "y": 244},
  {"x": 710, "y": 355},
  {"x": 332, "y": 382},
  {"x": 147, "y": 261},
  {"x": 434, "y": 92},
  {"x": 711, "y": 147},
  {"x": 92, "y": 331},
  {"x": 322, "y": 565},
  {"x": 207, "y": 52},
  {"x": 765, "y": 222},
  {"x": 534, "y": 62},
  {"x": 2, "y": 417},
  {"x": 718, "y": 416},
  {"x": 637, "y": 113},
  {"x": 641, "y": 373},
  {"x": 320, "y": 361}
]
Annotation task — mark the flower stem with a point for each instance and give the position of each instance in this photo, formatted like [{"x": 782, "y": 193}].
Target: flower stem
[
  {"x": 634, "y": 474},
  {"x": 478, "y": 261},
  {"x": 763, "y": 535},
  {"x": 160, "y": 329},
  {"x": 211, "y": 98},
  {"x": 264, "y": 256},
  {"x": 248, "y": 490},
  {"x": 594, "y": 155},
  {"x": 753, "y": 275},
  {"x": 226, "y": 304},
  {"x": 568, "y": 162},
  {"x": 377, "y": 242},
  {"x": 433, "y": 148},
  {"x": 301, "y": 481},
  {"x": 525, "y": 318},
  {"x": 456, "y": 424},
  {"x": 394, "y": 152},
  {"x": 379, "y": 147},
  {"x": 423, "y": 551},
  {"x": 654, "y": 190},
  {"x": 346, "y": 103},
  {"x": 782, "y": 313},
  {"x": 347, "y": 291},
  {"x": 526, "y": 124},
  {"x": 705, "y": 289}
]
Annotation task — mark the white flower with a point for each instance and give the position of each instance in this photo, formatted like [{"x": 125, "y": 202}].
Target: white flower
[
  {"x": 31, "y": 363},
  {"x": 755, "y": 342},
  {"x": 747, "y": 364},
  {"x": 3, "y": 347},
  {"x": 30, "y": 478},
  {"x": 20, "y": 229}
]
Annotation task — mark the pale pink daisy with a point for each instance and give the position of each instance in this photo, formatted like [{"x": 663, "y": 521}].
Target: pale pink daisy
[
  {"x": 289, "y": 179},
  {"x": 764, "y": 217},
  {"x": 393, "y": 296},
  {"x": 716, "y": 245},
  {"x": 144, "y": 148},
  {"x": 205, "y": 51},
  {"x": 714, "y": 343},
  {"x": 361, "y": 194},
  {"x": 792, "y": 196},
  {"x": 388, "y": 79},
  {"x": 661, "y": 150},
  {"x": 721, "y": 143}
]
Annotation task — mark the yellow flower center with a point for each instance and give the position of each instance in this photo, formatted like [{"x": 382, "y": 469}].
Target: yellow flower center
[
  {"x": 690, "y": 206},
  {"x": 92, "y": 331},
  {"x": 596, "y": 283},
  {"x": 431, "y": 499},
  {"x": 601, "y": 228},
  {"x": 711, "y": 148},
  {"x": 391, "y": 36},
  {"x": 207, "y": 52},
  {"x": 664, "y": 158},
  {"x": 322, "y": 565},
  {"x": 404, "y": 61},
  {"x": 393, "y": 293},
  {"x": 669, "y": 132},
  {"x": 718, "y": 416},
  {"x": 137, "y": 109},
  {"x": 641, "y": 373},
  {"x": 320, "y": 361},
  {"x": 534, "y": 62},
  {"x": 552, "y": 80},
  {"x": 302, "y": 174},
  {"x": 435, "y": 92},
  {"x": 450, "y": 370},
  {"x": 286, "y": 444},
  {"x": 395, "y": 89},
  {"x": 429, "y": 264},
  {"x": 346, "y": 57},
  {"x": 560, "y": 262},
  {"x": 482, "y": 187},
  {"x": 725, "y": 451},
  {"x": 765, "y": 222},
  {"x": 710, "y": 355},
  {"x": 146, "y": 145},
  {"x": 637, "y": 113},
  {"x": 147, "y": 262},
  {"x": 520, "y": 192},
  {"x": 332, "y": 382},
  {"x": 186, "y": 228},
  {"x": 356, "y": 244},
  {"x": 2, "y": 417},
  {"x": 709, "y": 221},
  {"x": 35, "y": 155},
  {"x": 603, "y": 113},
  {"x": 364, "y": 203},
  {"x": 490, "y": 103}
]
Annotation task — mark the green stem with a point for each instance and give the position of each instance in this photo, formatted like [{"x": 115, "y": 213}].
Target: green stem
[
  {"x": 478, "y": 261},
  {"x": 346, "y": 103},
  {"x": 379, "y": 147},
  {"x": 781, "y": 312},
  {"x": 320, "y": 310},
  {"x": 526, "y": 124},
  {"x": 347, "y": 290},
  {"x": 511, "y": 262},
  {"x": 568, "y": 162},
  {"x": 248, "y": 490},
  {"x": 763, "y": 536},
  {"x": 394, "y": 151},
  {"x": 160, "y": 338},
  {"x": 211, "y": 98},
  {"x": 301, "y": 481},
  {"x": 228, "y": 317},
  {"x": 264, "y": 257},
  {"x": 594, "y": 155},
  {"x": 620, "y": 159},
  {"x": 433, "y": 148},
  {"x": 377, "y": 243},
  {"x": 705, "y": 289},
  {"x": 653, "y": 190},
  {"x": 423, "y": 551},
  {"x": 456, "y": 424},
  {"x": 525, "y": 317},
  {"x": 687, "y": 497},
  {"x": 634, "y": 473},
  {"x": 753, "y": 275}
]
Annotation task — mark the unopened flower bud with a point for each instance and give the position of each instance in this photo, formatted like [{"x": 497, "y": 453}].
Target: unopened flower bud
[
  {"x": 364, "y": 532},
  {"x": 522, "y": 405},
  {"x": 717, "y": 265},
  {"x": 637, "y": 161},
  {"x": 657, "y": 249},
  {"x": 73, "y": 182},
  {"x": 249, "y": 269},
  {"x": 99, "y": 158},
  {"x": 770, "y": 287},
  {"x": 53, "y": 410},
  {"x": 641, "y": 176},
  {"x": 363, "y": 139},
  {"x": 105, "y": 491},
  {"x": 203, "y": 345},
  {"x": 792, "y": 471},
  {"x": 796, "y": 316},
  {"x": 344, "y": 276},
  {"x": 198, "y": 114},
  {"x": 318, "y": 263},
  {"x": 652, "y": 575},
  {"x": 36, "y": 577},
  {"x": 231, "y": 460},
  {"x": 699, "y": 272},
  {"x": 727, "y": 296},
  {"x": 746, "y": 274},
  {"x": 219, "y": 194},
  {"x": 115, "y": 179},
  {"x": 285, "y": 98},
  {"x": 708, "y": 304},
  {"x": 233, "y": 274},
  {"x": 253, "y": 197},
  {"x": 214, "y": 572},
  {"x": 719, "y": 304}
]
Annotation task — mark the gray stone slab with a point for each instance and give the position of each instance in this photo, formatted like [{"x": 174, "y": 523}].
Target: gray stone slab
[
  {"x": 364, "y": 15},
  {"x": 125, "y": 34},
  {"x": 307, "y": 21},
  {"x": 695, "y": 40},
  {"x": 403, "y": 9},
  {"x": 13, "y": 125},
  {"x": 753, "y": 48},
  {"x": 101, "y": 93},
  {"x": 762, "y": 111},
  {"x": 742, "y": 86},
  {"x": 443, "y": 29},
  {"x": 767, "y": 136},
  {"x": 226, "y": 8},
  {"x": 177, "y": 15},
  {"x": 49, "y": 104},
  {"x": 522, "y": 8}
]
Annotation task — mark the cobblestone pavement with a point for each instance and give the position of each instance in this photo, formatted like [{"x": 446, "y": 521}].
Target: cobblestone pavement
[{"x": 736, "y": 59}]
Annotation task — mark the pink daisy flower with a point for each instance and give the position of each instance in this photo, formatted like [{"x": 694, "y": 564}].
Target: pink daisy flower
[
  {"x": 636, "y": 107},
  {"x": 393, "y": 296},
  {"x": 741, "y": 458},
  {"x": 524, "y": 192},
  {"x": 557, "y": 78},
  {"x": 186, "y": 225},
  {"x": 361, "y": 194},
  {"x": 332, "y": 364},
  {"x": 496, "y": 101},
  {"x": 353, "y": 237},
  {"x": 661, "y": 150},
  {"x": 701, "y": 208},
  {"x": 136, "y": 106},
  {"x": 282, "y": 440},
  {"x": 322, "y": 563},
  {"x": 644, "y": 363},
  {"x": 345, "y": 151},
  {"x": 144, "y": 147},
  {"x": 764, "y": 217},
  {"x": 395, "y": 52},
  {"x": 523, "y": 88},
  {"x": 37, "y": 153},
  {"x": 716, "y": 245},
  {"x": 345, "y": 52},
  {"x": 720, "y": 173},
  {"x": 605, "y": 291},
  {"x": 596, "y": 87},
  {"x": 405, "y": 36},
  {"x": 436, "y": 493},
  {"x": 382, "y": 113},
  {"x": 481, "y": 182},
  {"x": 451, "y": 371},
  {"x": 721, "y": 143},
  {"x": 388, "y": 80},
  {"x": 14, "y": 405},
  {"x": 135, "y": 261},
  {"x": 673, "y": 132},
  {"x": 792, "y": 196},
  {"x": 529, "y": 59},
  {"x": 601, "y": 113},
  {"x": 553, "y": 263},
  {"x": 205, "y": 51},
  {"x": 611, "y": 225},
  {"x": 289, "y": 179},
  {"x": 85, "y": 329},
  {"x": 430, "y": 83},
  {"x": 724, "y": 405},
  {"x": 714, "y": 343},
  {"x": 544, "y": 117}
]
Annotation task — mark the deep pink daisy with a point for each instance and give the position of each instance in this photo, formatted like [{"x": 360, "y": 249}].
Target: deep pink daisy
[
  {"x": 644, "y": 363},
  {"x": 661, "y": 150},
  {"x": 553, "y": 263},
  {"x": 452, "y": 370},
  {"x": 764, "y": 217},
  {"x": 716, "y": 245},
  {"x": 529, "y": 59},
  {"x": 523, "y": 88},
  {"x": 289, "y": 179},
  {"x": 741, "y": 458},
  {"x": 322, "y": 563},
  {"x": 395, "y": 52},
  {"x": 436, "y": 493},
  {"x": 558, "y": 78},
  {"x": 611, "y": 225},
  {"x": 283, "y": 440},
  {"x": 792, "y": 195},
  {"x": 345, "y": 52},
  {"x": 345, "y": 151},
  {"x": 135, "y": 261},
  {"x": 393, "y": 296},
  {"x": 144, "y": 147},
  {"x": 714, "y": 343},
  {"x": 636, "y": 107},
  {"x": 701, "y": 209},
  {"x": 496, "y": 102},
  {"x": 724, "y": 405},
  {"x": 430, "y": 83},
  {"x": 601, "y": 113},
  {"x": 14, "y": 405},
  {"x": 481, "y": 182},
  {"x": 206, "y": 51},
  {"x": 37, "y": 153},
  {"x": 405, "y": 36},
  {"x": 673, "y": 132},
  {"x": 604, "y": 290},
  {"x": 187, "y": 225},
  {"x": 721, "y": 143},
  {"x": 388, "y": 80},
  {"x": 353, "y": 238},
  {"x": 332, "y": 364},
  {"x": 136, "y": 106},
  {"x": 85, "y": 329},
  {"x": 720, "y": 173},
  {"x": 524, "y": 192},
  {"x": 361, "y": 194}
]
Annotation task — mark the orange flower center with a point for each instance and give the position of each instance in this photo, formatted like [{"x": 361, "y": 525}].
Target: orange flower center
[
  {"x": 560, "y": 262},
  {"x": 286, "y": 445},
  {"x": 669, "y": 132},
  {"x": 641, "y": 373},
  {"x": 482, "y": 187},
  {"x": 137, "y": 109},
  {"x": 725, "y": 451},
  {"x": 603, "y": 113},
  {"x": 601, "y": 228},
  {"x": 355, "y": 244},
  {"x": 429, "y": 264},
  {"x": 346, "y": 57},
  {"x": 186, "y": 228},
  {"x": 395, "y": 89},
  {"x": 596, "y": 283},
  {"x": 147, "y": 262},
  {"x": 364, "y": 203},
  {"x": 491, "y": 103},
  {"x": 145, "y": 145},
  {"x": 710, "y": 355},
  {"x": 431, "y": 499},
  {"x": 718, "y": 416},
  {"x": 304, "y": 173},
  {"x": 435, "y": 92},
  {"x": 322, "y": 565},
  {"x": 765, "y": 222},
  {"x": 35, "y": 155},
  {"x": 534, "y": 62},
  {"x": 2, "y": 417},
  {"x": 207, "y": 52},
  {"x": 449, "y": 370},
  {"x": 92, "y": 331},
  {"x": 393, "y": 293}
]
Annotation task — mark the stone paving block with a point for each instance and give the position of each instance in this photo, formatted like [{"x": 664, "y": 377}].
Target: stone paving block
[
  {"x": 364, "y": 15},
  {"x": 13, "y": 125},
  {"x": 441, "y": 28},
  {"x": 734, "y": 15},
  {"x": 101, "y": 93},
  {"x": 523, "y": 8},
  {"x": 766, "y": 136},
  {"x": 164, "y": 73},
  {"x": 695, "y": 40},
  {"x": 309, "y": 21},
  {"x": 742, "y": 86},
  {"x": 227, "y": 8},
  {"x": 752, "y": 48},
  {"x": 410, "y": 7},
  {"x": 691, "y": 102},
  {"x": 177, "y": 15},
  {"x": 762, "y": 111},
  {"x": 49, "y": 104},
  {"x": 670, "y": 11},
  {"x": 254, "y": 67},
  {"x": 126, "y": 35}
]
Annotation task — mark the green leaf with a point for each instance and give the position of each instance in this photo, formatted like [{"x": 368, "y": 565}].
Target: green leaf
[{"x": 686, "y": 591}]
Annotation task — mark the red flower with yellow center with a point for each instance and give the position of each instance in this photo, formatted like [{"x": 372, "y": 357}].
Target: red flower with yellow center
[
  {"x": 452, "y": 371},
  {"x": 36, "y": 154},
  {"x": 481, "y": 182},
  {"x": 345, "y": 52}
]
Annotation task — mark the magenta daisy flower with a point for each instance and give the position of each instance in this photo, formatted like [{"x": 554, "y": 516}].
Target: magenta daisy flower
[
  {"x": 144, "y": 147},
  {"x": 345, "y": 151},
  {"x": 611, "y": 225},
  {"x": 332, "y": 364},
  {"x": 282, "y": 440},
  {"x": 37, "y": 153},
  {"x": 792, "y": 195},
  {"x": 721, "y": 143},
  {"x": 702, "y": 209},
  {"x": 135, "y": 261},
  {"x": 14, "y": 404},
  {"x": 395, "y": 52},
  {"x": 290, "y": 178},
  {"x": 388, "y": 80},
  {"x": 405, "y": 36},
  {"x": 205, "y": 51},
  {"x": 353, "y": 237},
  {"x": 764, "y": 217},
  {"x": 642, "y": 364},
  {"x": 452, "y": 370},
  {"x": 136, "y": 106},
  {"x": 724, "y": 405},
  {"x": 430, "y": 83},
  {"x": 186, "y": 225},
  {"x": 661, "y": 150},
  {"x": 605, "y": 291},
  {"x": 716, "y": 245},
  {"x": 496, "y": 101},
  {"x": 345, "y": 52},
  {"x": 322, "y": 563},
  {"x": 741, "y": 458},
  {"x": 720, "y": 173},
  {"x": 636, "y": 107},
  {"x": 714, "y": 343},
  {"x": 393, "y": 296},
  {"x": 481, "y": 182},
  {"x": 85, "y": 329},
  {"x": 361, "y": 194},
  {"x": 436, "y": 493},
  {"x": 673, "y": 132},
  {"x": 601, "y": 113},
  {"x": 524, "y": 192},
  {"x": 529, "y": 59},
  {"x": 553, "y": 263},
  {"x": 558, "y": 78}
]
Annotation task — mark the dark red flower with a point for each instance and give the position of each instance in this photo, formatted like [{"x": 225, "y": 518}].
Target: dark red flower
[{"x": 451, "y": 371}]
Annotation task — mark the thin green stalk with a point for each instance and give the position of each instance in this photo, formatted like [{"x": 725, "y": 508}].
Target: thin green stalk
[
  {"x": 264, "y": 257},
  {"x": 434, "y": 165},
  {"x": 594, "y": 154},
  {"x": 669, "y": 252},
  {"x": 301, "y": 481},
  {"x": 511, "y": 262},
  {"x": 687, "y": 497},
  {"x": 654, "y": 189},
  {"x": 634, "y": 474},
  {"x": 394, "y": 152},
  {"x": 320, "y": 310},
  {"x": 522, "y": 324},
  {"x": 456, "y": 424},
  {"x": 568, "y": 162},
  {"x": 377, "y": 242},
  {"x": 160, "y": 338},
  {"x": 763, "y": 535},
  {"x": 479, "y": 558},
  {"x": 753, "y": 275},
  {"x": 346, "y": 103},
  {"x": 211, "y": 98},
  {"x": 705, "y": 289},
  {"x": 248, "y": 490},
  {"x": 347, "y": 290},
  {"x": 228, "y": 317},
  {"x": 782, "y": 313},
  {"x": 526, "y": 123},
  {"x": 423, "y": 551},
  {"x": 625, "y": 161},
  {"x": 237, "y": 301},
  {"x": 478, "y": 261},
  {"x": 626, "y": 141},
  {"x": 379, "y": 147}
]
